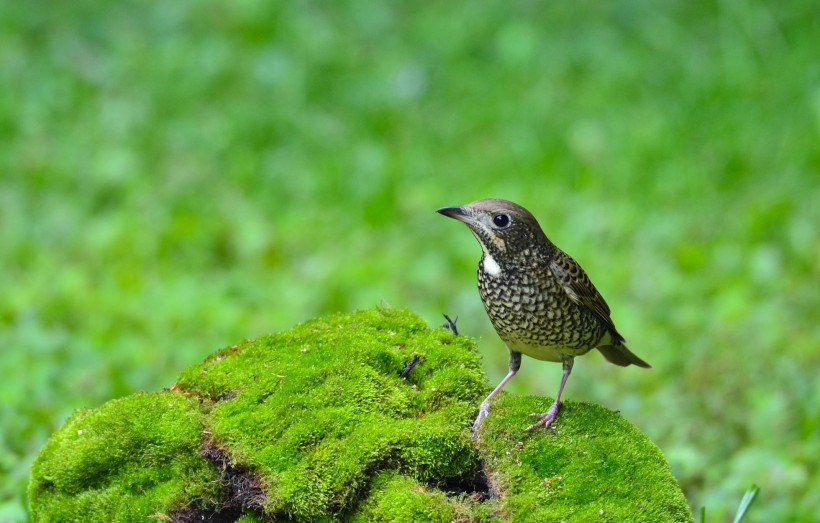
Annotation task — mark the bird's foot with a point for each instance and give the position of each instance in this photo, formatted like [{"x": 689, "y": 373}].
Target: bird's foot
[
  {"x": 483, "y": 411},
  {"x": 546, "y": 418}
]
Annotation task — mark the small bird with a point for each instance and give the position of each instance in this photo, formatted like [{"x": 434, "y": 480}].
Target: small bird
[{"x": 538, "y": 298}]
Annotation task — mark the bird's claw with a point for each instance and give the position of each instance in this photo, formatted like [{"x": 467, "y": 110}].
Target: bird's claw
[
  {"x": 546, "y": 418},
  {"x": 483, "y": 411}
]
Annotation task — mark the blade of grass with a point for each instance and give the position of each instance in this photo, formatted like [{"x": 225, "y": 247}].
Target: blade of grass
[{"x": 746, "y": 502}]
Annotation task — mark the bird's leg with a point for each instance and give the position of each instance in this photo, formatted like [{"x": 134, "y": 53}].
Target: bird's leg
[
  {"x": 484, "y": 409},
  {"x": 548, "y": 417}
]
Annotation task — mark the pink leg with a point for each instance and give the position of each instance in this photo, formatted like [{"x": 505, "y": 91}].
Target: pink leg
[
  {"x": 548, "y": 417},
  {"x": 484, "y": 409}
]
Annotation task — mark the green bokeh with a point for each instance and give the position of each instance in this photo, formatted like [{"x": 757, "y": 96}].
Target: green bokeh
[{"x": 178, "y": 176}]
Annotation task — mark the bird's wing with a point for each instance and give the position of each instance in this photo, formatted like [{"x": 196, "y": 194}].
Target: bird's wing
[{"x": 582, "y": 292}]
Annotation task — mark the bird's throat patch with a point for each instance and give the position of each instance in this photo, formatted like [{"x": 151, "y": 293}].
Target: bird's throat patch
[{"x": 490, "y": 266}]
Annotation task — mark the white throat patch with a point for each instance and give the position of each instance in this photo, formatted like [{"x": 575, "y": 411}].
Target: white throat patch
[{"x": 490, "y": 266}]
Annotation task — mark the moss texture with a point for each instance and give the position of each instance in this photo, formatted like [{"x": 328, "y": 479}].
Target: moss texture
[
  {"x": 316, "y": 424},
  {"x": 592, "y": 465},
  {"x": 124, "y": 461}
]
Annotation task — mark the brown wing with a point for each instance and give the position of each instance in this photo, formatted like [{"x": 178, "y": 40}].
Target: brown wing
[{"x": 582, "y": 292}]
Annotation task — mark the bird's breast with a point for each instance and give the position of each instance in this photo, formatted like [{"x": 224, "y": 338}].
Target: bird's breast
[{"x": 532, "y": 312}]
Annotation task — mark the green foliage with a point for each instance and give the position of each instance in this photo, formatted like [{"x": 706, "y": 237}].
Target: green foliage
[
  {"x": 745, "y": 503},
  {"x": 178, "y": 175},
  {"x": 316, "y": 424}
]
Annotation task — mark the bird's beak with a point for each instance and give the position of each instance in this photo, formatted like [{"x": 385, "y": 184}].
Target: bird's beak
[{"x": 455, "y": 212}]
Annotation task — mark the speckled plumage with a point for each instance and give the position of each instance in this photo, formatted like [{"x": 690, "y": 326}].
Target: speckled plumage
[
  {"x": 540, "y": 301},
  {"x": 534, "y": 315}
]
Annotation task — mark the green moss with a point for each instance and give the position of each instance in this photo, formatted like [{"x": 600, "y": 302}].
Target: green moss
[
  {"x": 250, "y": 517},
  {"x": 124, "y": 461},
  {"x": 316, "y": 424},
  {"x": 590, "y": 465},
  {"x": 397, "y": 498},
  {"x": 316, "y": 410}
]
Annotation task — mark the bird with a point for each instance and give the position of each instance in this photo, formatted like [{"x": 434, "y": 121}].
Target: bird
[{"x": 538, "y": 298}]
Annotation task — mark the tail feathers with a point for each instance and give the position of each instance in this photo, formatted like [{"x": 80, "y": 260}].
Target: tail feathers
[{"x": 620, "y": 355}]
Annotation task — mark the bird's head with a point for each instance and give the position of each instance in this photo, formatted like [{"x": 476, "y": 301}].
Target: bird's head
[{"x": 505, "y": 230}]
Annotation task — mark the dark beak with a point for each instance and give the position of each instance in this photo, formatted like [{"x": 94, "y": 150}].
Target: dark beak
[{"x": 454, "y": 212}]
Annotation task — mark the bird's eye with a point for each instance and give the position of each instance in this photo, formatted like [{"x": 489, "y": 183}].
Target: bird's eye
[{"x": 501, "y": 220}]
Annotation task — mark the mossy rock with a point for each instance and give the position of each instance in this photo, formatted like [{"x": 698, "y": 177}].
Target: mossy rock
[{"x": 318, "y": 424}]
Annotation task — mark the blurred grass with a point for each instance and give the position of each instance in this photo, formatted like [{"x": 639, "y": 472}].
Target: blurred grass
[{"x": 176, "y": 176}]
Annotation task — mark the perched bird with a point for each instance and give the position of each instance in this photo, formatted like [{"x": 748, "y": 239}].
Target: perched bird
[{"x": 538, "y": 298}]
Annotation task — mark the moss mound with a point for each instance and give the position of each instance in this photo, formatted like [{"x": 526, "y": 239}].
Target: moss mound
[
  {"x": 318, "y": 424},
  {"x": 124, "y": 461},
  {"x": 592, "y": 465}
]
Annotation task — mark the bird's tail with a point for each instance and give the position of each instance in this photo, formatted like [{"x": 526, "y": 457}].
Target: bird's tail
[{"x": 620, "y": 355}]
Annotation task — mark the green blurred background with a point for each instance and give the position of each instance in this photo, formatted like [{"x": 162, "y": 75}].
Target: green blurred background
[{"x": 177, "y": 176}]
